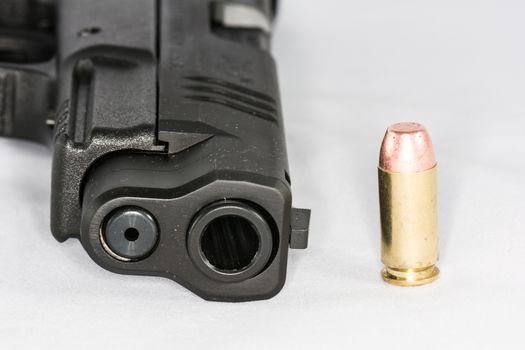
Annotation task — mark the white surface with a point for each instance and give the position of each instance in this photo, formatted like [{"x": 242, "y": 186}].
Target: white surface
[{"x": 348, "y": 69}]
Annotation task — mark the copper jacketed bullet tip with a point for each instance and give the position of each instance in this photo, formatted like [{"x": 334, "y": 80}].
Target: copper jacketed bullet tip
[
  {"x": 406, "y": 148},
  {"x": 407, "y": 194}
]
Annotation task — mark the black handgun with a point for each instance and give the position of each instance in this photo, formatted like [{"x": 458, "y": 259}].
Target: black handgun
[{"x": 165, "y": 121}]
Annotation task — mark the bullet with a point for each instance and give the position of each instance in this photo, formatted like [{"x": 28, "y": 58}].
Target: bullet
[{"x": 408, "y": 206}]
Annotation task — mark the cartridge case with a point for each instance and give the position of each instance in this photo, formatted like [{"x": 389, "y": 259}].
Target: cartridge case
[{"x": 408, "y": 206}]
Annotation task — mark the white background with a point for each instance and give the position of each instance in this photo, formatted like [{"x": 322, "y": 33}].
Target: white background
[{"x": 348, "y": 69}]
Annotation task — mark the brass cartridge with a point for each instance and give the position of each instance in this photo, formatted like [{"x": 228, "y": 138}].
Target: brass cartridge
[{"x": 408, "y": 206}]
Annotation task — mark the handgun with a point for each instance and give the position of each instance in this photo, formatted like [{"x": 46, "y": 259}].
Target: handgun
[{"x": 165, "y": 122}]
